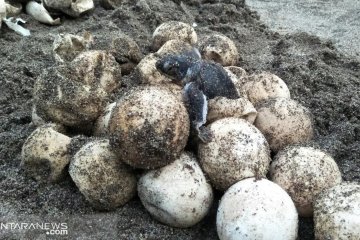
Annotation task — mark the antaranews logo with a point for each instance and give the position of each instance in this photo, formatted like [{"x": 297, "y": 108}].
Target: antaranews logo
[{"x": 50, "y": 228}]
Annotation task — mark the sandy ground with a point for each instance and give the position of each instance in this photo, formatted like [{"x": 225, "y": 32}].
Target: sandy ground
[
  {"x": 338, "y": 21},
  {"x": 318, "y": 76}
]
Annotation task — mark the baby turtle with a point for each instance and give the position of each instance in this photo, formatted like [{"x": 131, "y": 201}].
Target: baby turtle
[{"x": 202, "y": 80}]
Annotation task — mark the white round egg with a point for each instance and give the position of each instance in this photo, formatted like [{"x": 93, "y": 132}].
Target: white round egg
[
  {"x": 337, "y": 212},
  {"x": 256, "y": 209},
  {"x": 177, "y": 194}
]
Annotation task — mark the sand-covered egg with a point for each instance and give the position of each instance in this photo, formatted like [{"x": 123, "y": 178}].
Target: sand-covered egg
[
  {"x": 147, "y": 73},
  {"x": 304, "y": 172},
  {"x": 222, "y": 107},
  {"x": 177, "y": 194},
  {"x": 337, "y": 212},
  {"x": 75, "y": 93},
  {"x": 238, "y": 77},
  {"x": 237, "y": 151},
  {"x": 149, "y": 127},
  {"x": 45, "y": 154},
  {"x": 173, "y": 30},
  {"x": 283, "y": 122},
  {"x": 101, "y": 177},
  {"x": 260, "y": 87},
  {"x": 256, "y": 209},
  {"x": 219, "y": 48}
]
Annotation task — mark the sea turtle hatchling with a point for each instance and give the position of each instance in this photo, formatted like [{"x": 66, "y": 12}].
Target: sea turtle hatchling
[{"x": 202, "y": 80}]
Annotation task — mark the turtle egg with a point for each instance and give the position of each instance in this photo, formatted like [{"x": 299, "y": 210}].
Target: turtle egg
[
  {"x": 237, "y": 76},
  {"x": 111, "y": 4},
  {"x": 304, "y": 172},
  {"x": 149, "y": 127},
  {"x": 101, "y": 177},
  {"x": 12, "y": 9},
  {"x": 222, "y": 107},
  {"x": 35, "y": 118},
  {"x": 237, "y": 151},
  {"x": 337, "y": 212},
  {"x": 44, "y": 154},
  {"x": 2, "y": 11},
  {"x": 68, "y": 46},
  {"x": 75, "y": 93},
  {"x": 148, "y": 73},
  {"x": 263, "y": 86},
  {"x": 173, "y": 30},
  {"x": 174, "y": 46},
  {"x": 256, "y": 209},
  {"x": 220, "y": 49},
  {"x": 284, "y": 121},
  {"x": 72, "y": 8},
  {"x": 177, "y": 194}
]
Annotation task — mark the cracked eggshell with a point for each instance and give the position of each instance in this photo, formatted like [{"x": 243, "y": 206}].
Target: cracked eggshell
[
  {"x": 97, "y": 67},
  {"x": 75, "y": 94},
  {"x": 39, "y": 13},
  {"x": 44, "y": 154},
  {"x": 238, "y": 150},
  {"x": 219, "y": 48},
  {"x": 12, "y": 9},
  {"x": 337, "y": 212},
  {"x": 149, "y": 127},
  {"x": 58, "y": 4},
  {"x": 222, "y": 107},
  {"x": 178, "y": 194},
  {"x": 72, "y": 8},
  {"x": 79, "y": 7},
  {"x": 126, "y": 52},
  {"x": 304, "y": 172},
  {"x": 2, "y": 11},
  {"x": 283, "y": 122},
  {"x": 256, "y": 209},
  {"x": 101, "y": 177},
  {"x": 173, "y": 30},
  {"x": 67, "y": 47},
  {"x": 35, "y": 118},
  {"x": 101, "y": 127},
  {"x": 111, "y": 4},
  {"x": 260, "y": 87}
]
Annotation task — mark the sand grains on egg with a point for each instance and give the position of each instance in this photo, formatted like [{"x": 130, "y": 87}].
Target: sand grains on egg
[
  {"x": 149, "y": 127},
  {"x": 238, "y": 150}
]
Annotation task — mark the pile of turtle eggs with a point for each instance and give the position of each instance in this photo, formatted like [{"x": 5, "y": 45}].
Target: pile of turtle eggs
[{"x": 147, "y": 127}]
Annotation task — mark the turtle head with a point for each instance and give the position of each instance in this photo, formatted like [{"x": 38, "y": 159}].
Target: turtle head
[{"x": 174, "y": 66}]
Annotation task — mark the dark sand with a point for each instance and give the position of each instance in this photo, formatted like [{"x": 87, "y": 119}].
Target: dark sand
[{"x": 318, "y": 76}]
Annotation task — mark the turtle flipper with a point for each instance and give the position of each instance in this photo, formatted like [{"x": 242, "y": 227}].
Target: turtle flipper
[{"x": 196, "y": 104}]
